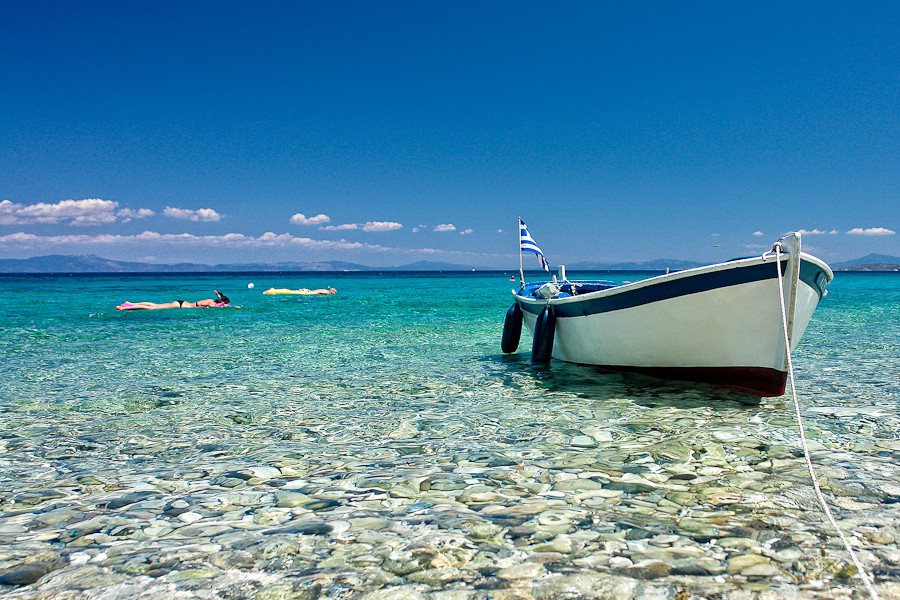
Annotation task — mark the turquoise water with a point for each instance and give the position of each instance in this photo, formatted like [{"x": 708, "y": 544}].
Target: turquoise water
[{"x": 385, "y": 415}]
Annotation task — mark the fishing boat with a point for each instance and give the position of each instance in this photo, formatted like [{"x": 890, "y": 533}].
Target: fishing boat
[{"x": 729, "y": 324}]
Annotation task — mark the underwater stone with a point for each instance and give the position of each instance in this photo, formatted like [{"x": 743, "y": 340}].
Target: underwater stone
[
  {"x": 28, "y": 573},
  {"x": 202, "y": 572},
  {"x": 736, "y": 543},
  {"x": 436, "y": 577},
  {"x": 583, "y": 441},
  {"x": 370, "y": 523},
  {"x": 400, "y": 592},
  {"x": 291, "y": 499},
  {"x": 320, "y": 504},
  {"x": 646, "y": 569},
  {"x": 703, "y": 565},
  {"x": 526, "y": 570},
  {"x": 578, "y": 484},
  {"x": 189, "y": 517},
  {"x": 561, "y": 543},
  {"x": 404, "y": 562},
  {"x": 737, "y": 564},
  {"x": 761, "y": 570},
  {"x": 302, "y": 528}
]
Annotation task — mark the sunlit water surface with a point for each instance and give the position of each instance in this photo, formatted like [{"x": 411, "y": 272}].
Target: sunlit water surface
[{"x": 352, "y": 427}]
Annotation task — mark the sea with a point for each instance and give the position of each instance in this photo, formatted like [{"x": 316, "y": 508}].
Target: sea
[{"x": 377, "y": 444}]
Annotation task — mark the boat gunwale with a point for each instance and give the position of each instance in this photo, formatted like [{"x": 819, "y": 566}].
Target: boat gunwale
[
  {"x": 666, "y": 277},
  {"x": 713, "y": 268},
  {"x": 819, "y": 263}
]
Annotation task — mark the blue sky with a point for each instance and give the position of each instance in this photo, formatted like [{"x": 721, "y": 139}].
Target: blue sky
[{"x": 386, "y": 133}]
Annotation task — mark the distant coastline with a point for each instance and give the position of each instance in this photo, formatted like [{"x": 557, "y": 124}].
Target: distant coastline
[
  {"x": 872, "y": 268},
  {"x": 94, "y": 264}
]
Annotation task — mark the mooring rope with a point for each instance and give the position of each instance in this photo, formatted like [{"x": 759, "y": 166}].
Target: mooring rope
[{"x": 866, "y": 578}]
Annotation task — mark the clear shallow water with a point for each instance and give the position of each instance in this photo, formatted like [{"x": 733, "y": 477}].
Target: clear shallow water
[{"x": 321, "y": 446}]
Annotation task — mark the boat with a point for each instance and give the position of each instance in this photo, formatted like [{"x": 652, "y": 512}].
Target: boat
[{"x": 721, "y": 324}]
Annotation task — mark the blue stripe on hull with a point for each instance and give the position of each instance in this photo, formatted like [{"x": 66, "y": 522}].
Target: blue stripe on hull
[
  {"x": 663, "y": 290},
  {"x": 810, "y": 273},
  {"x": 813, "y": 276}
]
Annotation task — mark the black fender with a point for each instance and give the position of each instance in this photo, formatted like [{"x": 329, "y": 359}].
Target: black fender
[
  {"x": 512, "y": 329},
  {"x": 544, "y": 331}
]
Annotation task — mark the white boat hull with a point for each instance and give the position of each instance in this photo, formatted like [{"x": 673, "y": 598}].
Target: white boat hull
[{"x": 720, "y": 324}]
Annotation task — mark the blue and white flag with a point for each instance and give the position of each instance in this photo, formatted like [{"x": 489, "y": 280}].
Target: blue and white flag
[{"x": 527, "y": 243}]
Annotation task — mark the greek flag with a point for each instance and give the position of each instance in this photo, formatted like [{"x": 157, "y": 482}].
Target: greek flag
[{"x": 527, "y": 243}]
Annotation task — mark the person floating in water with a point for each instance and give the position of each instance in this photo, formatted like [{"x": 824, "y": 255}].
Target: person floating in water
[
  {"x": 302, "y": 291},
  {"x": 220, "y": 301}
]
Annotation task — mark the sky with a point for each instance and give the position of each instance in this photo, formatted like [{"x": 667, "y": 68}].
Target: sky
[{"x": 386, "y": 133}]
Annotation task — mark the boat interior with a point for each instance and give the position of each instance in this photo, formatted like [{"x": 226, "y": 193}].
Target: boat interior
[{"x": 562, "y": 289}]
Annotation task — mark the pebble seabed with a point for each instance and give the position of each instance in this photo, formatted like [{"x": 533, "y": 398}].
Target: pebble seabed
[{"x": 663, "y": 501}]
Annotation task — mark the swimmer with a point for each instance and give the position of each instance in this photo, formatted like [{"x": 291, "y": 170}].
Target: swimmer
[
  {"x": 302, "y": 291},
  {"x": 220, "y": 301},
  {"x": 320, "y": 291}
]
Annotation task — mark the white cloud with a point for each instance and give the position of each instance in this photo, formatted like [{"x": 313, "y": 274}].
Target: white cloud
[
  {"x": 201, "y": 214},
  {"x": 466, "y": 231},
  {"x": 369, "y": 226},
  {"x": 20, "y": 238},
  {"x": 337, "y": 245},
  {"x": 871, "y": 231},
  {"x": 233, "y": 240},
  {"x": 208, "y": 214},
  {"x": 445, "y": 227},
  {"x": 127, "y": 214},
  {"x": 381, "y": 226},
  {"x": 269, "y": 238},
  {"x": 91, "y": 211},
  {"x": 815, "y": 231},
  {"x": 758, "y": 233},
  {"x": 178, "y": 213},
  {"x": 151, "y": 241},
  {"x": 301, "y": 219}
]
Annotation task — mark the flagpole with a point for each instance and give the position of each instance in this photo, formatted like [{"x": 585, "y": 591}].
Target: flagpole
[{"x": 521, "y": 272}]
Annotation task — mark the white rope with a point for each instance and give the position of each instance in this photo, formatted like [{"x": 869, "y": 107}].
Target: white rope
[{"x": 866, "y": 578}]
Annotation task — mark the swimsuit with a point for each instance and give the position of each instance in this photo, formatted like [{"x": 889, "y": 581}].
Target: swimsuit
[{"x": 181, "y": 303}]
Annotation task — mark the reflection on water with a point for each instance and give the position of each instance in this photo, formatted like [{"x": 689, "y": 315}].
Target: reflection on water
[{"x": 593, "y": 382}]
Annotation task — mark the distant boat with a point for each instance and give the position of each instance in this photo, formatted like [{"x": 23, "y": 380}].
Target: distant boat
[{"x": 719, "y": 324}]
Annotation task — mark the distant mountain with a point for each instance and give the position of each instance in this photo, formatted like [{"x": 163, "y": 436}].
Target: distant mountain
[
  {"x": 649, "y": 265},
  {"x": 870, "y": 259},
  {"x": 886, "y": 267},
  {"x": 57, "y": 263},
  {"x": 95, "y": 264}
]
